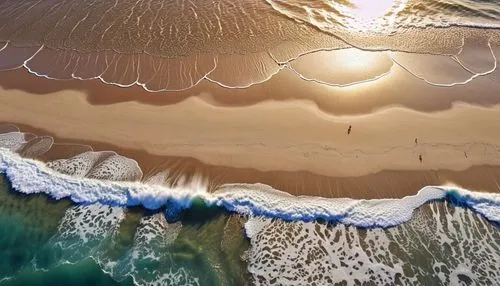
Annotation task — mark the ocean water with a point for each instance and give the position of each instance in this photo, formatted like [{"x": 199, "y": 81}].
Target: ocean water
[
  {"x": 90, "y": 219},
  {"x": 45, "y": 241}
]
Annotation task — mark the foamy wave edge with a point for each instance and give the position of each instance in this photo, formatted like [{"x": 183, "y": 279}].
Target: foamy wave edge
[{"x": 29, "y": 176}]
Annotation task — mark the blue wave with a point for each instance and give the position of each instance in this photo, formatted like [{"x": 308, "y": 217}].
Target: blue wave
[{"x": 32, "y": 177}]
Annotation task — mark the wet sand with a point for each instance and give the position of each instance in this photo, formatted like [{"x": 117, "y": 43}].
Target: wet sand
[
  {"x": 293, "y": 144},
  {"x": 383, "y": 184},
  {"x": 286, "y": 85}
]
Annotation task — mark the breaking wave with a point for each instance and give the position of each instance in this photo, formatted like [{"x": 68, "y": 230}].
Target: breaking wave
[
  {"x": 32, "y": 177},
  {"x": 290, "y": 243}
]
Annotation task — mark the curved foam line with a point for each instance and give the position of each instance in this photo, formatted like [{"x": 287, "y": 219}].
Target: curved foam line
[
  {"x": 459, "y": 62},
  {"x": 32, "y": 177},
  {"x": 291, "y": 60},
  {"x": 99, "y": 77},
  {"x": 26, "y": 61},
  {"x": 143, "y": 85},
  {"x": 474, "y": 75},
  {"x": 308, "y": 53},
  {"x": 283, "y": 65},
  {"x": 457, "y": 59},
  {"x": 280, "y": 68},
  {"x": 4, "y": 46},
  {"x": 373, "y": 79},
  {"x": 290, "y": 16}
]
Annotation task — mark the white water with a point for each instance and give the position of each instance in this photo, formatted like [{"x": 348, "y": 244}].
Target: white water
[
  {"x": 30, "y": 176},
  {"x": 440, "y": 245},
  {"x": 389, "y": 16}
]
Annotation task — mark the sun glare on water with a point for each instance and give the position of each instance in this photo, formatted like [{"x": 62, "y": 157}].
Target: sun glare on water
[
  {"x": 372, "y": 14},
  {"x": 353, "y": 60},
  {"x": 370, "y": 9}
]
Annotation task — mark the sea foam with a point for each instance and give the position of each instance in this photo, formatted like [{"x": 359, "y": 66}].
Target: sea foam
[{"x": 32, "y": 177}]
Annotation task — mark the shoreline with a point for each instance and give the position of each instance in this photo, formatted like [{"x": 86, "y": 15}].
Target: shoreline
[
  {"x": 288, "y": 133},
  {"x": 305, "y": 80},
  {"x": 384, "y": 184},
  {"x": 32, "y": 177}
]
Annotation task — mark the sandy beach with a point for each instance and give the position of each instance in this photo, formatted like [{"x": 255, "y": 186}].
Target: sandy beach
[
  {"x": 371, "y": 140},
  {"x": 249, "y": 142}
]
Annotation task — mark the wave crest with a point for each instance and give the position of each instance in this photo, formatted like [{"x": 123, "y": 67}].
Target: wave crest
[{"x": 29, "y": 177}]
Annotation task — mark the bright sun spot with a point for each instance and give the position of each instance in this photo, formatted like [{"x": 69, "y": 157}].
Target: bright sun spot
[
  {"x": 371, "y": 9},
  {"x": 371, "y": 14},
  {"x": 356, "y": 60}
]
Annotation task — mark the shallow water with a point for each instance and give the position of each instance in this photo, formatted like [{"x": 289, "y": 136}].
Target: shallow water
[
  {"x": 175, "y": 45},
  {"x": 390, "y": 16},
  {"x": 440, "y": 245}
]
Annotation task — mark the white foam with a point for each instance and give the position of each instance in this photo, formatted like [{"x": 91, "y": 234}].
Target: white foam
[
  {"x": 13, "y": 141},
  {"x": 337, "y": 16},
  {"x": 453, "y": 244},
  {"x": 150, "y": 249},
  {"x": 84, "y": 231},
  {"x": 99, "y": 165},
  {"x": 30, "y": 176}
]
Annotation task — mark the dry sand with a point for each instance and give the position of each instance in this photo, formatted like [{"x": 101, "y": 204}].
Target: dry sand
[{"x": 288, "y": 133}]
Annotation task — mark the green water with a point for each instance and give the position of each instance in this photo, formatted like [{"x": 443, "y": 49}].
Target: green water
[
  {"x": 48, "y": 242},
  {"x": 42, "y": 244}
]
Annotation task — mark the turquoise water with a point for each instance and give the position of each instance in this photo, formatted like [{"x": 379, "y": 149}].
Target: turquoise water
[
  {"x": 48, "y": 242},
  {"x": 27, "y": 224},
  {"x": 44, "y": 243}
]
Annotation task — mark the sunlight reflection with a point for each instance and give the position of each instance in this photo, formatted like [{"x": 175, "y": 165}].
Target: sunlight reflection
[
  {"x": 357, "y": 60},
  {"x": 370, "y": 14},
  {"x": 369, "y": 9}
]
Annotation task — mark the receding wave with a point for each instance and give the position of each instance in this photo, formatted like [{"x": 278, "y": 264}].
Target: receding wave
[{"x": 172, "y": 46}]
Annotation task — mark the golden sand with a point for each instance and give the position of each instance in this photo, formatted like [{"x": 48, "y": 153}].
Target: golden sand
[{"x": 294, "y": 141}]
